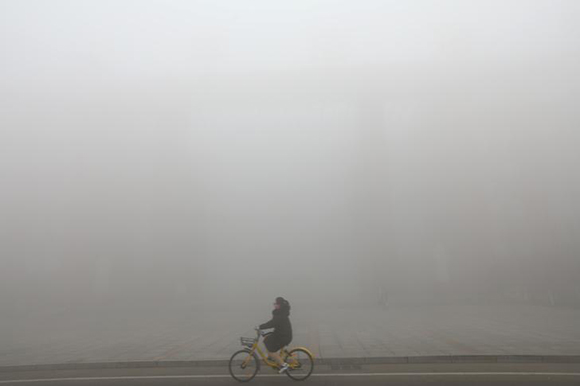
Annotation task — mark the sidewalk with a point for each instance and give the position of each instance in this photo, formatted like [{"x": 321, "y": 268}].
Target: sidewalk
[{"x": 334, "y": 333}]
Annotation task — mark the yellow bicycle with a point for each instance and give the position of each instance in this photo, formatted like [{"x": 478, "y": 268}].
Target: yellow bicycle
[{"x": 244, "y": 364}]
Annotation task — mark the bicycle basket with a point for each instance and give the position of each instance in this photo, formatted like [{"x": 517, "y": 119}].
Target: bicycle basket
[{"x": 248, "y": 342}]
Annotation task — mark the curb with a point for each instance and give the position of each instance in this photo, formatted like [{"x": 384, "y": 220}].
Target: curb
[{"x": 318, "y": 361}]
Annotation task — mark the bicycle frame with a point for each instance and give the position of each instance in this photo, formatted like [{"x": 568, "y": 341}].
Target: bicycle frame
[
  {"x": 256, "y": 347},
  {"x": 283, "y": 354}
]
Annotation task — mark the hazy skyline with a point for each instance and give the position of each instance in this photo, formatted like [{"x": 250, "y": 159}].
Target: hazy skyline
[{"x": 178, "y": 150}]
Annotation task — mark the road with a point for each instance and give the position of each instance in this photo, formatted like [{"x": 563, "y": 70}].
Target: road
[{"x": 433, "y": 374}]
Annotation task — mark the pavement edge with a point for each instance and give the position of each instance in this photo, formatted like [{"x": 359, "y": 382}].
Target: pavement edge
[{"x": 319, "y": 361}]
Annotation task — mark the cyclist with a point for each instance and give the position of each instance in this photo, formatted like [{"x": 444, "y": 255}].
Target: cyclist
[{"x": 282, "y": 335}]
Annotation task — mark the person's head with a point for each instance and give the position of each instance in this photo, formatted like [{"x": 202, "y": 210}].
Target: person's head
[{"x": 279, "y": 303}]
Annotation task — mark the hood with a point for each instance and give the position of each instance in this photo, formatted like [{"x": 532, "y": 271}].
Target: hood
[{"x": 284, "y": 309}]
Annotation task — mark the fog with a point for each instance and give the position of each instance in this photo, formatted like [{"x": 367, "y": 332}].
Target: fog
[{"x": 336, "y": 153}]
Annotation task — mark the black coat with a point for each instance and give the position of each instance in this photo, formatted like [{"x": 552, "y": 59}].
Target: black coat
[{"x": 280, "y": 322}]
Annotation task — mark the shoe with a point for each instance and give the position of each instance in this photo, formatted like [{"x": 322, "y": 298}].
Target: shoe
[{"x": 284, "y": 368}]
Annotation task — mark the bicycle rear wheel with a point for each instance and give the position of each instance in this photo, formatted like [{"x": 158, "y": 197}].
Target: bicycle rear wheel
[
  {"x": 244, "y": 365},
  {"x": 301, "y": 364}
]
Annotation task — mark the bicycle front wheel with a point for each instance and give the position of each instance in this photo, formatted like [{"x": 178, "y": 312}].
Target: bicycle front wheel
[
  {"x": 301, "y": 364},
  {"x": 244, "y": 365}
]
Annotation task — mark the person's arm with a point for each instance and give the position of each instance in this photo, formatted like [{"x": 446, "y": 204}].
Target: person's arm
[{"x": 270, "y": 324}]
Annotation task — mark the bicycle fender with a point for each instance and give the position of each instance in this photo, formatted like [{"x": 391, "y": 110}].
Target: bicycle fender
[{"x": 305, "y": 349}]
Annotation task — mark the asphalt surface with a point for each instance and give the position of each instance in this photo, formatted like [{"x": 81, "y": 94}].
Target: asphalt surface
[{"x": 407, "y": 374}]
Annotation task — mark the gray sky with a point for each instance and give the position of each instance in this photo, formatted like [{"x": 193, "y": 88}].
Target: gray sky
[{"x": 179, "y": 147}]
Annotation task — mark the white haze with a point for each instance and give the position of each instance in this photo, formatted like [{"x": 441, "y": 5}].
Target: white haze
[{"x": 227, "y": 152}]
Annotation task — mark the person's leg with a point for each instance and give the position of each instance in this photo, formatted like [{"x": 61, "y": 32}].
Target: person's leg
[
  {"x": 273, "y": 345},
  {"x": 270, "y": 344},
  {"x": 276, "y": 357},
  {"x": 283, "y": 366}
]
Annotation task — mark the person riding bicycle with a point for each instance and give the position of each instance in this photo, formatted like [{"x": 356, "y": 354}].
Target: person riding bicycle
[{"x": 282, "y": 335}]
